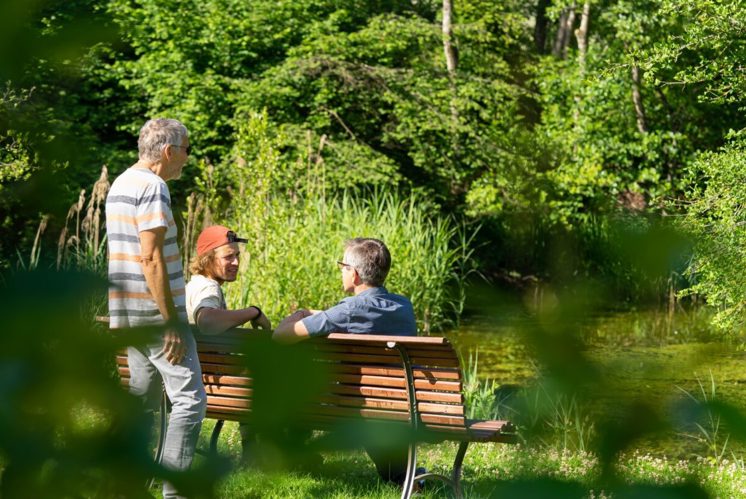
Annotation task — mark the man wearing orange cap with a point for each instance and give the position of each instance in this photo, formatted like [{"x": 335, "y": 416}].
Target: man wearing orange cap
[{"x": 217, "y": 262}]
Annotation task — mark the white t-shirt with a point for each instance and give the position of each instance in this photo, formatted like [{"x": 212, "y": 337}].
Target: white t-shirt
[{"x": 202, "y": 292}]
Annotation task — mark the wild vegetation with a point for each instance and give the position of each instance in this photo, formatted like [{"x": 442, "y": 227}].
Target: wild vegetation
[
  {"x": 590, "y": 154},
  {"x": 545, "y": 122}
]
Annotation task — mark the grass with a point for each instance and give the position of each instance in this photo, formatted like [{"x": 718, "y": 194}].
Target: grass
[{"x": 490, "y": 470}]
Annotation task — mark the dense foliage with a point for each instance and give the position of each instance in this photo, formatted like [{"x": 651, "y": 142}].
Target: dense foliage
[{"x": 540, "y": 119}]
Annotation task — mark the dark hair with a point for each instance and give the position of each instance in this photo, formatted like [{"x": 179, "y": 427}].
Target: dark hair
[{"x": 371, "y": 259}]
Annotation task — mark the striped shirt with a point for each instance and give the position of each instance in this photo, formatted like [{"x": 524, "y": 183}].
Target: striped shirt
[{"x": 139, "y": 200}]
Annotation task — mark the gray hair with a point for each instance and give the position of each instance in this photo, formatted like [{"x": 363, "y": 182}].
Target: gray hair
[
  {"x": 371, "y": 259},
  {"x": 157, "y": 134}
]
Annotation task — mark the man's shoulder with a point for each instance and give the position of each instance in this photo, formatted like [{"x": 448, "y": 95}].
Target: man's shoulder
[
  {"x": 198, "y": 281},
  {"x": 137, "y": 179}
]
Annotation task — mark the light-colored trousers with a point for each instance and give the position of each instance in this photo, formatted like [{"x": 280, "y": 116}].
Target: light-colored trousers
[{"x": 183, "y": 383}]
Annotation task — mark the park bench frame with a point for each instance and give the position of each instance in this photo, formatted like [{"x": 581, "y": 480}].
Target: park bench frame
[{"x": 419, "y": 362}]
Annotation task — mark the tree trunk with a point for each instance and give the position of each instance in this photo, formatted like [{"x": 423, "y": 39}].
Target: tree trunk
[
  {"x": 448, "y": 48},
  {"x": 637, "y": 99},
  {"x": 540, "y": 28},
  {"x": 564, "y": 28},
  {"x": 581, "y": 34},
  {"x": 451, "y": 55}
]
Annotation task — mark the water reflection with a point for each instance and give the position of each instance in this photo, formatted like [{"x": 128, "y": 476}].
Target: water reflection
[{"x": 651, "y": 355}]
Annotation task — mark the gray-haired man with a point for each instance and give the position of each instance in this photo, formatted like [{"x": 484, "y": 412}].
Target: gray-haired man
[
  {"x": 148, "y": 287},
  {"x": 371, "y": 309}
]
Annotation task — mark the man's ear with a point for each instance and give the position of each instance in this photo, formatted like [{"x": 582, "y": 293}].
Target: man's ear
[{"x": 357, "y": 281}]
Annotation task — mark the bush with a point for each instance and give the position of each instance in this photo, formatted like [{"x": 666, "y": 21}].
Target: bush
[{"x": 716, "y": 219}]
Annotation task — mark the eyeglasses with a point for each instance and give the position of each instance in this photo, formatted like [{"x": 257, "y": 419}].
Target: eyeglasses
[
  {"x": 233, "y": 238},
  {"x": 342, "y": 265},
  {"x": 187, "y": 149}
]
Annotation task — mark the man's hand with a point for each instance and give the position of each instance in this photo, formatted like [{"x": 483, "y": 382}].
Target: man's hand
[
  {"x": 173, "y": 345},
  {"x": 261, "y": 322}
]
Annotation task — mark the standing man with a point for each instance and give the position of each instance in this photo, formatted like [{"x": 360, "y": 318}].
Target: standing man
[
  {"x": 148, "y": 287},
  {"x": 371, "y": 309}
]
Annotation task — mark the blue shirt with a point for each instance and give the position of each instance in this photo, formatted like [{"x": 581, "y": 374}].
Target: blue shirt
[{"x": 373, "y": 311}]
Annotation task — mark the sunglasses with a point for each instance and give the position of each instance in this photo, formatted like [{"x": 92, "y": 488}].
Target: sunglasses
[
  {"x": 187, "y": 149},
  {"x": 233, "y": 238},
  {"x": 342, "y": 265}
]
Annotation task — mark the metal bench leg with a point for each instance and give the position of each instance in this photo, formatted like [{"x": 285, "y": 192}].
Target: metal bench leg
[
  {"x": 215, "y": 436},
  {"x": 456, "y": 479},
  {"x": 406, "y": 491}
]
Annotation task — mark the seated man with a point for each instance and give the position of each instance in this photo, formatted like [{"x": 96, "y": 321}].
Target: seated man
[
  {"x": 371, "y": 309},
  {"x": 217, "y": 262}
]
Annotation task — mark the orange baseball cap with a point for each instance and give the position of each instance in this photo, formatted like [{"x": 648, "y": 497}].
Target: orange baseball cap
[{"x": 215, "y": 236}]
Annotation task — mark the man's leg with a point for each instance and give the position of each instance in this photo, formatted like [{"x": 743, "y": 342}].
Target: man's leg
[
  {"x": 145, "y": 381},
  {"x": 391, "y": 463},
  {"x": 183, "y": 383}
]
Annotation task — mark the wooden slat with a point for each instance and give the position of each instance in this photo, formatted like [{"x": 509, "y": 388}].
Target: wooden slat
[
  {"x": 450, "y": 397},
  {"x": 490, "y": 425},
  {"x": 436, "y": 351},
  {"x": 419, "y": 384},
  {"x": 241, "y": 403},
  {"x": 224, "y": 379},
  {"x": 388, "y": 359},
  {"x": 396, "y": 393},
  {"x": 431, "y": 373},
  {"x": 209, "y": 368},
  {"x": 218, "y": 347},
  {"x": 351, "y": 413},
  {"x": 368, "y": 391},
  {"x": 222, "y": 359},
  {"x": 228, "y": 390},
  {"x": 390, "y": 404},
  {"x": 383, "y": 339},
  {"x": 207, "y": 379}
]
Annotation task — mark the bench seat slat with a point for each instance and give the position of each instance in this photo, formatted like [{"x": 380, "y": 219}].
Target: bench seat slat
[
  {"x": 383, "y": 339},
  {"x": 420, "y": 384},
  {"x": 352, "y": 358},
  {"x": 401, "y": 405},
  {"x": 426, "y": 373},
  {"x": 207, "y": 379},
  {"x": 393, "y": 393},
  {"x": 432, "y": 351}
]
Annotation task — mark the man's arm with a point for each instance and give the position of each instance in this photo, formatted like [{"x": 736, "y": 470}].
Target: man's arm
[
  {"x": 291, "y": 329},
  {"x": 217, "y": 320},
  {"x": 154, "y": 268}
]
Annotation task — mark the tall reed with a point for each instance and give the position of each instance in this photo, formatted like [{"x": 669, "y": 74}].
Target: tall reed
[{"x": 83, "y": 245}]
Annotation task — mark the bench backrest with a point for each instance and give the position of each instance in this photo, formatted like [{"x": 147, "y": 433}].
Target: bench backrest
[{"x": 367, "y": 379}]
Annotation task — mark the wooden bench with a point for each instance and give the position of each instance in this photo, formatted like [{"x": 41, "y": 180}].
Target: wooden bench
[{"x": 412, "y": 381}]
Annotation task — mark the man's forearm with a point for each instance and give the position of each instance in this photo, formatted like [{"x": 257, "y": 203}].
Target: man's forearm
[
  {"x": 291, "y": 329},
  {"x": 156, "y": 277},
  {"x": 215, "y": 320}
]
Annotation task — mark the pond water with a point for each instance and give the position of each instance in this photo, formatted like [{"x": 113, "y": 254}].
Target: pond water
[{"x": 650, "y": 355}]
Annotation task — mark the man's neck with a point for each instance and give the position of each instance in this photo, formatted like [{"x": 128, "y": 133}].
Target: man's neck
[
  {"x": 219, "y": 281},
  {"x": 158, "y": 168},
  {"x": 363, "y": 287}
]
